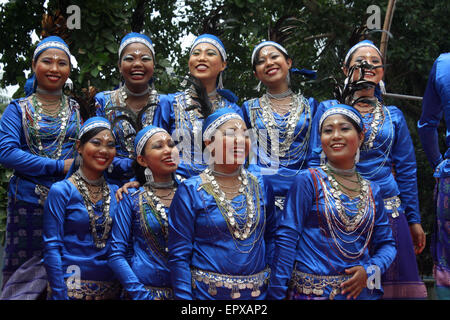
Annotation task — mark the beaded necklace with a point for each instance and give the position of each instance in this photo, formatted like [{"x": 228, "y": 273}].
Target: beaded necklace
[
  {"x": 158, "y": 210},
  {"x": 283, "y": 134},
  {"x": 241, "y": 226},
  {"x": 127, "y": 132},
  {"x": 100, "y": 226},
  {"x": 36, "y": 128},
  {"x": 346, "y": 225}
]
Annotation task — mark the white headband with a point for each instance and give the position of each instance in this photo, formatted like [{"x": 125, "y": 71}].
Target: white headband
[
  {"x": 214, "y": 43},
  {"x": 209, "y": 131},
  {"x": 143, "y": 140},
  {"x": 134, "y": 40}
]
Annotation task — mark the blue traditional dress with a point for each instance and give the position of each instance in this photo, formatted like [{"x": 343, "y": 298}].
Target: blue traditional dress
[
  {"x": 435, "y": 105},
  {"x": 316, "y": 242},
  {"x": 141, "y": 223},
  {"x": 35, "y": 146},
  {"x": 185, "y": 126},
  {"x": 208, "y": 259},
  {"x": 110, "y": 105},
  {"x": 146, "y": 276},
  {"x": 281, "y": 144},
  {"x": 294, "y": 136},
  {"x": 387, "y": 158},
  {"x": 77, "y": 268}
]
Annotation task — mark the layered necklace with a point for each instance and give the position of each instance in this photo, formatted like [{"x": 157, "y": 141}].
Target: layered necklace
[
  {"x": 346, "y": 224},
  {"x": 159, "y": 211},
  {"x": 240, "y": 225},
  {"x": 42, "y": 124},
  {"x": 127, "y": 130},
  {"x": 99, "y": 225},
  {"x": 283, "y": 133}
]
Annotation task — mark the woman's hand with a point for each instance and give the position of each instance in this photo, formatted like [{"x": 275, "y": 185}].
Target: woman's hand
[
  {"x": 355, "y": 284},
  {"x": 67, "y": 165},
  {"x": 418, "y": 237},
  {"x": 124, "y": 189}
]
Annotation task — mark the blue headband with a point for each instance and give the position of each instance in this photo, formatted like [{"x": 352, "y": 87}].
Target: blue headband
[
  {"x": 216, "y": 119},
  {"x": 134, "y": 37},
  {"x": 364, "y": 43},
  {"x": 307, "y": 73},
  {"x": 144, "y": 135},
  {"x": 52, "y": 42},
  {"x": 211, "y": 39},
  {"x": 92, "y": 123},
  {"x": 343, "y": 109}
]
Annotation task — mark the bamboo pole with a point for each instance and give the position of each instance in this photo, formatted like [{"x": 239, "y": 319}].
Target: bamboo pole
[{"x": 387, "y": 27}]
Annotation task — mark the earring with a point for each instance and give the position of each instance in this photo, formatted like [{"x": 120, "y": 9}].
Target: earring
[
  {"x": 323, "y": 158},
  {"x": 148, "y": 175},
  {"x": 258, "y": 87},
  {"x": 220, "y": 82},
  {"x": 357, "y": 156},
  {"x": 110, "y": 168}
]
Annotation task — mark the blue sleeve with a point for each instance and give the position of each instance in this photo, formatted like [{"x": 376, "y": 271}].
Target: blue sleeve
[
  {"x": 405, "y": 167},
  {"x": 100, "y": 105},
  {"x": 315, "y": 146},
  {"x": 11, "y": 153},
  {"x": 120, "y": 238},
  {"x": 298, "y": 205},
  {"x": 432, "y": 112},
  {"x": 382, "y": 248},
  {"x": 164, "y": 115},
  {"x": 245, "y": 115},
  {"x": 271, "y": 223},
  {"x": 53, "y": 237},
  {"x": 181, "y": 238}
]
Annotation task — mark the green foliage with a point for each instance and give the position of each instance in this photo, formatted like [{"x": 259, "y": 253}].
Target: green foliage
[{"x": 317, "y": 34}]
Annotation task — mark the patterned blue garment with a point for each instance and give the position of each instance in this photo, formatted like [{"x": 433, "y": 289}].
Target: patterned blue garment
[
  {"x": 281, "y": 167},
  {"x": 310, "y": 241},
  {"x": 106, "y": 102},
  {"x": 69, "y": 246},
  {"x": 387, "y": 158},
  {"x": 138, "y": 221},
  {"x": 202, "y": 246},
  {"x": 435, "y": 106},
  {"x": 390, "y": 161},
  {"x": 186, "y": 128},
  {"x": 22, "y": 130}
]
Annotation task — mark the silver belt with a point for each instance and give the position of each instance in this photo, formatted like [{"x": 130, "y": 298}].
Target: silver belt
[
  {"x": 393, "y": 203},
  {"x": 233, "y": 283},
  {"x": 314, "y": 284}
]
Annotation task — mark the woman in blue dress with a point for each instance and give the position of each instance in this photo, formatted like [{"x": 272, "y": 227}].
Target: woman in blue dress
[
  {"x": 37, "y": 138},
  {"x": 207, "y": 62},
  {"x": 435, "y": 105},
  {"x": 78, "y": 216},
  {"x": 135, "y": 98},
  {"x": 334, "y": 231},
  {"x": 387, "y": 157},
  {"x": 280, "y": 118},
  {"x": 221, "y": 221},
  {"x": 142, "y": 219}
]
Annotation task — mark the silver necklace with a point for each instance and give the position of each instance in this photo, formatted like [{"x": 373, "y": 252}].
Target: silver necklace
[
  {"x": 136, "y": 94},
  {"x": 280, "y": 96},
  {"x": 105, "y": 219}
]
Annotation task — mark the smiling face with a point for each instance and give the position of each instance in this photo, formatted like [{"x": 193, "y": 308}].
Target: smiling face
[
  {"x": 340, "y": 141},
  {"x": 52, "y": 69},
  {"x": 160, "y": 155},
  {"x": 97, "y": 153},
  {"x": 136, "y": 65},
  {"x": 272, "y": 67},
  {"x": 370, "y": 55},
  {"x": 206, "y": 63},
  {"x": 231, "y": 143}
]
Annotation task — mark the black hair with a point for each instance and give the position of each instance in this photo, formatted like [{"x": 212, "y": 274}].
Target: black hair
[
  {"x": 286, "y": 56},
  {"x": 353, "y": 122},
  {"x": 92, "y": 133},
  {"x": 347, "y": 64}
]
